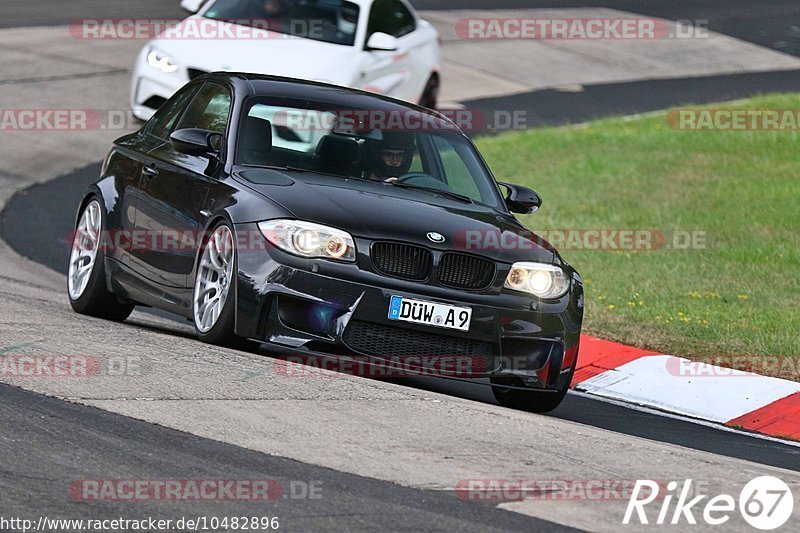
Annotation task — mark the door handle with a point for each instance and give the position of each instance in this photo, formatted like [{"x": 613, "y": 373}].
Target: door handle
[{"x": 150, "y": 171}]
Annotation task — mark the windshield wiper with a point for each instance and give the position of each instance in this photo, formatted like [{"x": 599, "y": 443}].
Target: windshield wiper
[
  {"x": 307, "y": 171},
  {"x": 449, "y": 194},
  {"x": 311, "y": 171}
]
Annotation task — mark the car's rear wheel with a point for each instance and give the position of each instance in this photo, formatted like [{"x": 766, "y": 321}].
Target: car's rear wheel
[
  {"x": 430, "y": 96},
  {"x": 214, "y": 296},
  {"x": 86, "y": 278},
  {"x": 534, "y": 401}
]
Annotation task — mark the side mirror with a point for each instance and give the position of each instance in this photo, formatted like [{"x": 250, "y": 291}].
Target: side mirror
[
  {"x": 192, "y": 6},
  {"x": 521, "y": 200},
  {"x": 382, "y": 41},
  {"x": 194, "y": 141}
]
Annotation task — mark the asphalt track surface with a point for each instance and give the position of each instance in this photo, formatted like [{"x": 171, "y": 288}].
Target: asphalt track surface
[
  {"x": 45, "y": 458},
  {"x": 47, "y": 244}
]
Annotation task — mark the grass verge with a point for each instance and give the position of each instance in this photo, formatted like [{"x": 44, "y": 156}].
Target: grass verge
[{"x": 741, "y": 189}]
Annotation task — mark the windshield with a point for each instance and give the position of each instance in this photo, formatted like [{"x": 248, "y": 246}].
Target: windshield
[
  {"x": 331, "y": 21},
  {"x": 396, "y": 146}
]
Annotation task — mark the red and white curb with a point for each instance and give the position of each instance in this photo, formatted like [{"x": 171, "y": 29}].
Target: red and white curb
[{"x": 766, "y": 405}]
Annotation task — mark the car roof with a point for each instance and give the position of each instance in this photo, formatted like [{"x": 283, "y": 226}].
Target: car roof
[{"x": 247, "y": 84}]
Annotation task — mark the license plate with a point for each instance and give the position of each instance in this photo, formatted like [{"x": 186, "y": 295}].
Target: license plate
[{"x": 429, "y": 313}]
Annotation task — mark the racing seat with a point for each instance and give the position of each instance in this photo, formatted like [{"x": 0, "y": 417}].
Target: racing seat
[{"x": 338, "y": 155}]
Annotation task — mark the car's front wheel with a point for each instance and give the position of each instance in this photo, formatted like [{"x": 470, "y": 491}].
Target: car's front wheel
[
  {"x": 86, "y": 278},
  {"x": 214, "y": 297},
  {"x": 430, "y": 95},
  {"x": 534, "y": 401}
]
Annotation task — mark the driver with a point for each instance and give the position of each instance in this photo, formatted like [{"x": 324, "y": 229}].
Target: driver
[
  {"x": 392, "y": 157},
  {"x": 272, "y": 9}
]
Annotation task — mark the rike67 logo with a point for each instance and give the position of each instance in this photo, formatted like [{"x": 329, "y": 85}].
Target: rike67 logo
[{"x": 766, "y": 503}]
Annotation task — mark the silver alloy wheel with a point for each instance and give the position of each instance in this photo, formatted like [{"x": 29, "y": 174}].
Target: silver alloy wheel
[
  {"x": 214, "y": 279},
  {"x": 84, "y": 249}
]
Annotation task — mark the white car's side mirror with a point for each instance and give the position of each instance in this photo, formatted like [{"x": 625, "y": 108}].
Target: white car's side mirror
[
  {"x": 382, "y": 41},
  {"x": 192, "y": 6}
]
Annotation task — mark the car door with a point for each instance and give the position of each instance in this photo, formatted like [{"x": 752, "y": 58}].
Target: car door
[
  {"x": 125, "y": 163},
  {"x": 396, "y": 73},
  {"x": 170, "y": 209},
  {"x": 132, "y": 157}
]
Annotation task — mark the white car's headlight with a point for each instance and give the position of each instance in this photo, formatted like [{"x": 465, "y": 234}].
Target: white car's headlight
[
  {"x": 307, "y": 239},
  {"x": 161, "y": 61},
  {"x": 540, "y": 279}
]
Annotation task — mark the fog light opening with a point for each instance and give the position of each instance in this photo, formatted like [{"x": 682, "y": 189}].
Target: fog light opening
[{"x": 308, "y": 317}]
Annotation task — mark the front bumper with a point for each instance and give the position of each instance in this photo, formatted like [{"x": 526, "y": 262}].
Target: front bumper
[{"x": 323, "y": 307}]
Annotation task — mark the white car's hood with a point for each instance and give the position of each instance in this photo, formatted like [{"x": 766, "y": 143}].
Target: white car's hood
[{"x": 263, "y": 53}]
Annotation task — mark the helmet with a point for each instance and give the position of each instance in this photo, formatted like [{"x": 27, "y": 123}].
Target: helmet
[
  {"x": 392, "y": 140},
  {"x": 347, "y": 18}
]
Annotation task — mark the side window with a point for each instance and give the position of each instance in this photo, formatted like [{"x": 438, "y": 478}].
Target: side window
[
  {"x": 416, "y": 164},
  {"x": 392, "y": 17},
  {"x": 167, "y": 116},
  {"x": 209, "y": 109},
  {"x": 456, "y": 173}
]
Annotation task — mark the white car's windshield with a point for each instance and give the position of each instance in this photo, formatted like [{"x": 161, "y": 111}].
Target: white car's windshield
[
  {"x": 399, "y": 146},
  {"x": 331, "y": 21}
]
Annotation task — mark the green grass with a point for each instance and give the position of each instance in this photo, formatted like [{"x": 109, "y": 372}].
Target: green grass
[{"x": 740, "y": 295}]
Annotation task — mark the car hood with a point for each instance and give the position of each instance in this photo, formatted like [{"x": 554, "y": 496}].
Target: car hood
[
  {"x": 266, "y": 53},
  {"x": 379, "y": 211}
]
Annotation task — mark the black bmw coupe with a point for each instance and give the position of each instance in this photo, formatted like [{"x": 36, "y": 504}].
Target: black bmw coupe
[{"x": 325, "y": 221}]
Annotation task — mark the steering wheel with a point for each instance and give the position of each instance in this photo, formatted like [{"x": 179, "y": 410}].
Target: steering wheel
[
  {"x": 422, "y": 179},
  {"x": 414, "y": 175}
]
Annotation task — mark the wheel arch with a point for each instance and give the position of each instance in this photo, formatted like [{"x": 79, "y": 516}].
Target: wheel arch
[
  {"x": 104, "y": 191},
  {"x": 224, "y": 216}
]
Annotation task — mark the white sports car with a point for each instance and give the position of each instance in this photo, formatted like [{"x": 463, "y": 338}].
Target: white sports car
[{"x": 381, "y": 46}]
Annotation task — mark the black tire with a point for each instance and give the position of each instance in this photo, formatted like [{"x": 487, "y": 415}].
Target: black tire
[
  {"x": 223, "y": 333},
  {"x": 430, "y": 96},
  {"x": 96, "y": 300},
  {"x": 533, "y": 401}
]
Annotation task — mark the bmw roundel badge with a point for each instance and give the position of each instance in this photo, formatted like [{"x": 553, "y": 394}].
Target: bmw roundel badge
[{"x": 436, "y": 237}]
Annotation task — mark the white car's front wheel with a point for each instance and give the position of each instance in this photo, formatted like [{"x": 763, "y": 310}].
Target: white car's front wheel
[{"x": 430, "y": 96}]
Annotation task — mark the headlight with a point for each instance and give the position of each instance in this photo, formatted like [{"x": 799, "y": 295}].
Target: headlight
[
  {"x": 161, "y": 62},
  {"x": 540, "y": 279},
  {"x": 307, "y": 239}
]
